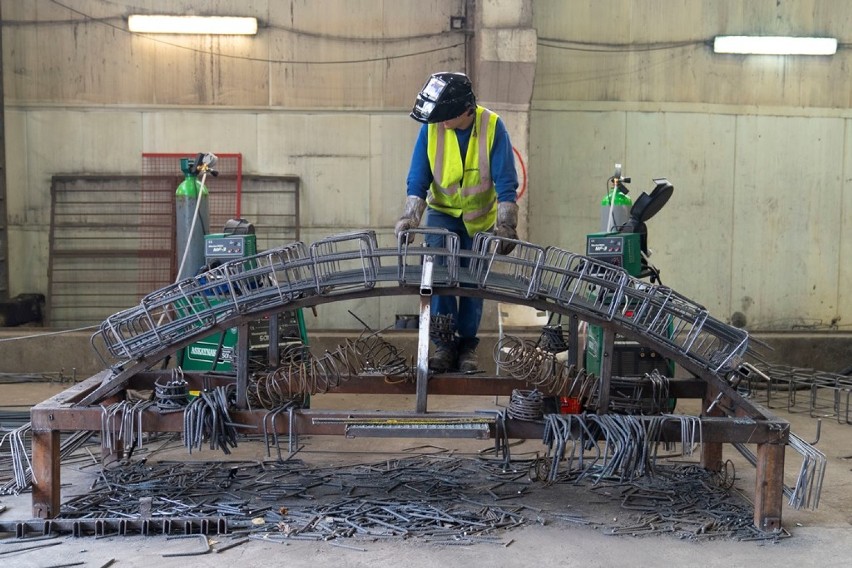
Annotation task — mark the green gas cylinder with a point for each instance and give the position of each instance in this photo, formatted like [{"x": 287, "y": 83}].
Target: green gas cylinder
[
  {"x": 615, "y": 210},
  {"x": 188, "y": 228}
]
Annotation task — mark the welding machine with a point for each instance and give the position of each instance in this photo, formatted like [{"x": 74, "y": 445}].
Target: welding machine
[
  {"x": 216, "y": 351},
  {"x": 623, "y": 242},
  {"x": 619, "y": 249},
  {"x": 237, "y": 240}
]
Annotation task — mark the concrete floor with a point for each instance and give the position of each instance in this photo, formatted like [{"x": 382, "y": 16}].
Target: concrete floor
[{"x": 821, "y": 537}]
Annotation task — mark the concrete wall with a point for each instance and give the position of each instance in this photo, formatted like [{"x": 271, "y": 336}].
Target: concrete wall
[
  {"x": 757, "y": 148},
  {"x": 756, "y": 223},
  {"x": 88, "y": 97}
]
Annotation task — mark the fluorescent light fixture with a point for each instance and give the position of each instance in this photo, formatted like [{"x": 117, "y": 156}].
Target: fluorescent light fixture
[
  {"x": 775, "y": 45},
  {"x": 219, "y": 25}
]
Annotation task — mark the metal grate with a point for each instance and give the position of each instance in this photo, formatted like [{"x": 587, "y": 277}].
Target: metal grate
[
  {"x": 272, "y": 204},
  {"x": 112, "y": 237}
]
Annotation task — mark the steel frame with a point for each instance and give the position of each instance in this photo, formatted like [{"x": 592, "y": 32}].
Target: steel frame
[{"x": 352, "y": 265}]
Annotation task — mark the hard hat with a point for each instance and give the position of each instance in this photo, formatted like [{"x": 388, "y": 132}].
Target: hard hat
[{"x": 444, "y": 96}]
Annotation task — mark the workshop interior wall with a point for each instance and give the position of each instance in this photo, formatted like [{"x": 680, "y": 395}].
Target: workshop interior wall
[
  {"x": 89, "y": 97},
  {"x": 755, "y": 224},
  {"x": 757, "y": 148}
]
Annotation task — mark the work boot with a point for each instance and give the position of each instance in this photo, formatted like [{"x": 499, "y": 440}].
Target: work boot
[
  {"x": 443, "y": 359},
  {"x": 467, "y": 356}
]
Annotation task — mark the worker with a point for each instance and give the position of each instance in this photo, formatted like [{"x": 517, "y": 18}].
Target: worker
[{"x": 462, "y": 175}]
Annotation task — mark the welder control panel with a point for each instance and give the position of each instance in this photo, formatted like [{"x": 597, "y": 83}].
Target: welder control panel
[
  {"x": 618, "y": 249},
  {"x": 225, "y": 247},
  {"x": 596, "y": 246}
]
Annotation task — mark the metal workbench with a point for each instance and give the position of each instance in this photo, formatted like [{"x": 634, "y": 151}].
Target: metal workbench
[{"x": 352, "y": 265}]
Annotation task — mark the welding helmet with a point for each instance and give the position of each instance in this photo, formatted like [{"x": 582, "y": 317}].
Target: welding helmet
[{"x": 444, "y": 96}]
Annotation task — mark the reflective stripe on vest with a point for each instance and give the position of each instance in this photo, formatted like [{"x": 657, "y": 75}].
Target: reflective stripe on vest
[{"x": 457, "y": 189}]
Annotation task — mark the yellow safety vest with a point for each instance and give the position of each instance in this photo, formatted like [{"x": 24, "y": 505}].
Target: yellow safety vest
[{"x": 464, "y": 189}]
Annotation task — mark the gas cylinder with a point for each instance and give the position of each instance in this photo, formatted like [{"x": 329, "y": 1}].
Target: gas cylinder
[
  {"x": 192, "y": 214},
  {"x": 615, "y": 210}
]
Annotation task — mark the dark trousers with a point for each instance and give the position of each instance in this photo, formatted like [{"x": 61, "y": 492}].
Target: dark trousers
[{"x": 465, "y": 311}]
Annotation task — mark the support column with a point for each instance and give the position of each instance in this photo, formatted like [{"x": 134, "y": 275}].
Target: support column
[
  {"x": 573, "y": 341},
  {"x": 241, "y": 368},
  {"x": 607, "y": 353},
  {"x": 423, "y": 335},
  {"x": 711, "y": 452},
  {"x": 769, "y": 486},
  {"x": 4, "y": 234},
  {"x": 273, "y": 347},
  {"x": 501, "y": 65},
  {"x": 45, "y": 474}
]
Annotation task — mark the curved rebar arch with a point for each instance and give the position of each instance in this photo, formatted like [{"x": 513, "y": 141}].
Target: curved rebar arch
[{"x": 353, "y": 265}]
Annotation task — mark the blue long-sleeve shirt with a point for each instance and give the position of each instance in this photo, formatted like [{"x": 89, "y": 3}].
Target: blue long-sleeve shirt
[{"x": 502, "y": 160}]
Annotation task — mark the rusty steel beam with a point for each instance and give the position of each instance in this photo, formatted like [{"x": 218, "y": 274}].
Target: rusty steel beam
[
  {"x": 46, "y": 474},
  {"x": 333, "y": 422},
  {"x": 711, "y": 452},
  {"x": 769, "y": 490}
]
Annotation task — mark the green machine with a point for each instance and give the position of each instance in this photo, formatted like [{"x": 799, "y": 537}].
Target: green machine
[
  {"x": 216, "y": 352},
  {"x": 619, "y": 249},
  {"x": 622, "y": 242}
]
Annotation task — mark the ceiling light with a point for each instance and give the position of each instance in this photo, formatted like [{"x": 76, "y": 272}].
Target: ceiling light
[
  {"x": 219, "y": 25},
  {"x": 775, "y": 45}
]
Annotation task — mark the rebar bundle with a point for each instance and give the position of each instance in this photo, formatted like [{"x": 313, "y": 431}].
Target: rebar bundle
[
  {"x": 206, "y": 418},
  {"x": 19, "y": 457},
  {"x": 302, "y": 373},
  {"x": 629, "y": 446},
  {"x": 21, "y": 465},
  {"x": 805, "y": 493},
  {"x": 436, "y": 498},
  {"x": 686, "y": 501},
  {"x": 526, "y": 405},
  {"x": 553, "y": 339},
  {"x": 525, "y": 360},
  {"x": 646, "y": 395},
  {"x": 123, "y": 421},
  {"x": 808, "y": 487},
  {"x": 174, "y": 395}
]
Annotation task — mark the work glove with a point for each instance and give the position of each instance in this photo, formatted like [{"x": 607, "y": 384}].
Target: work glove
[
  {"x": 411, "y": 215},
  {"x": 506, "y": 226}
]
